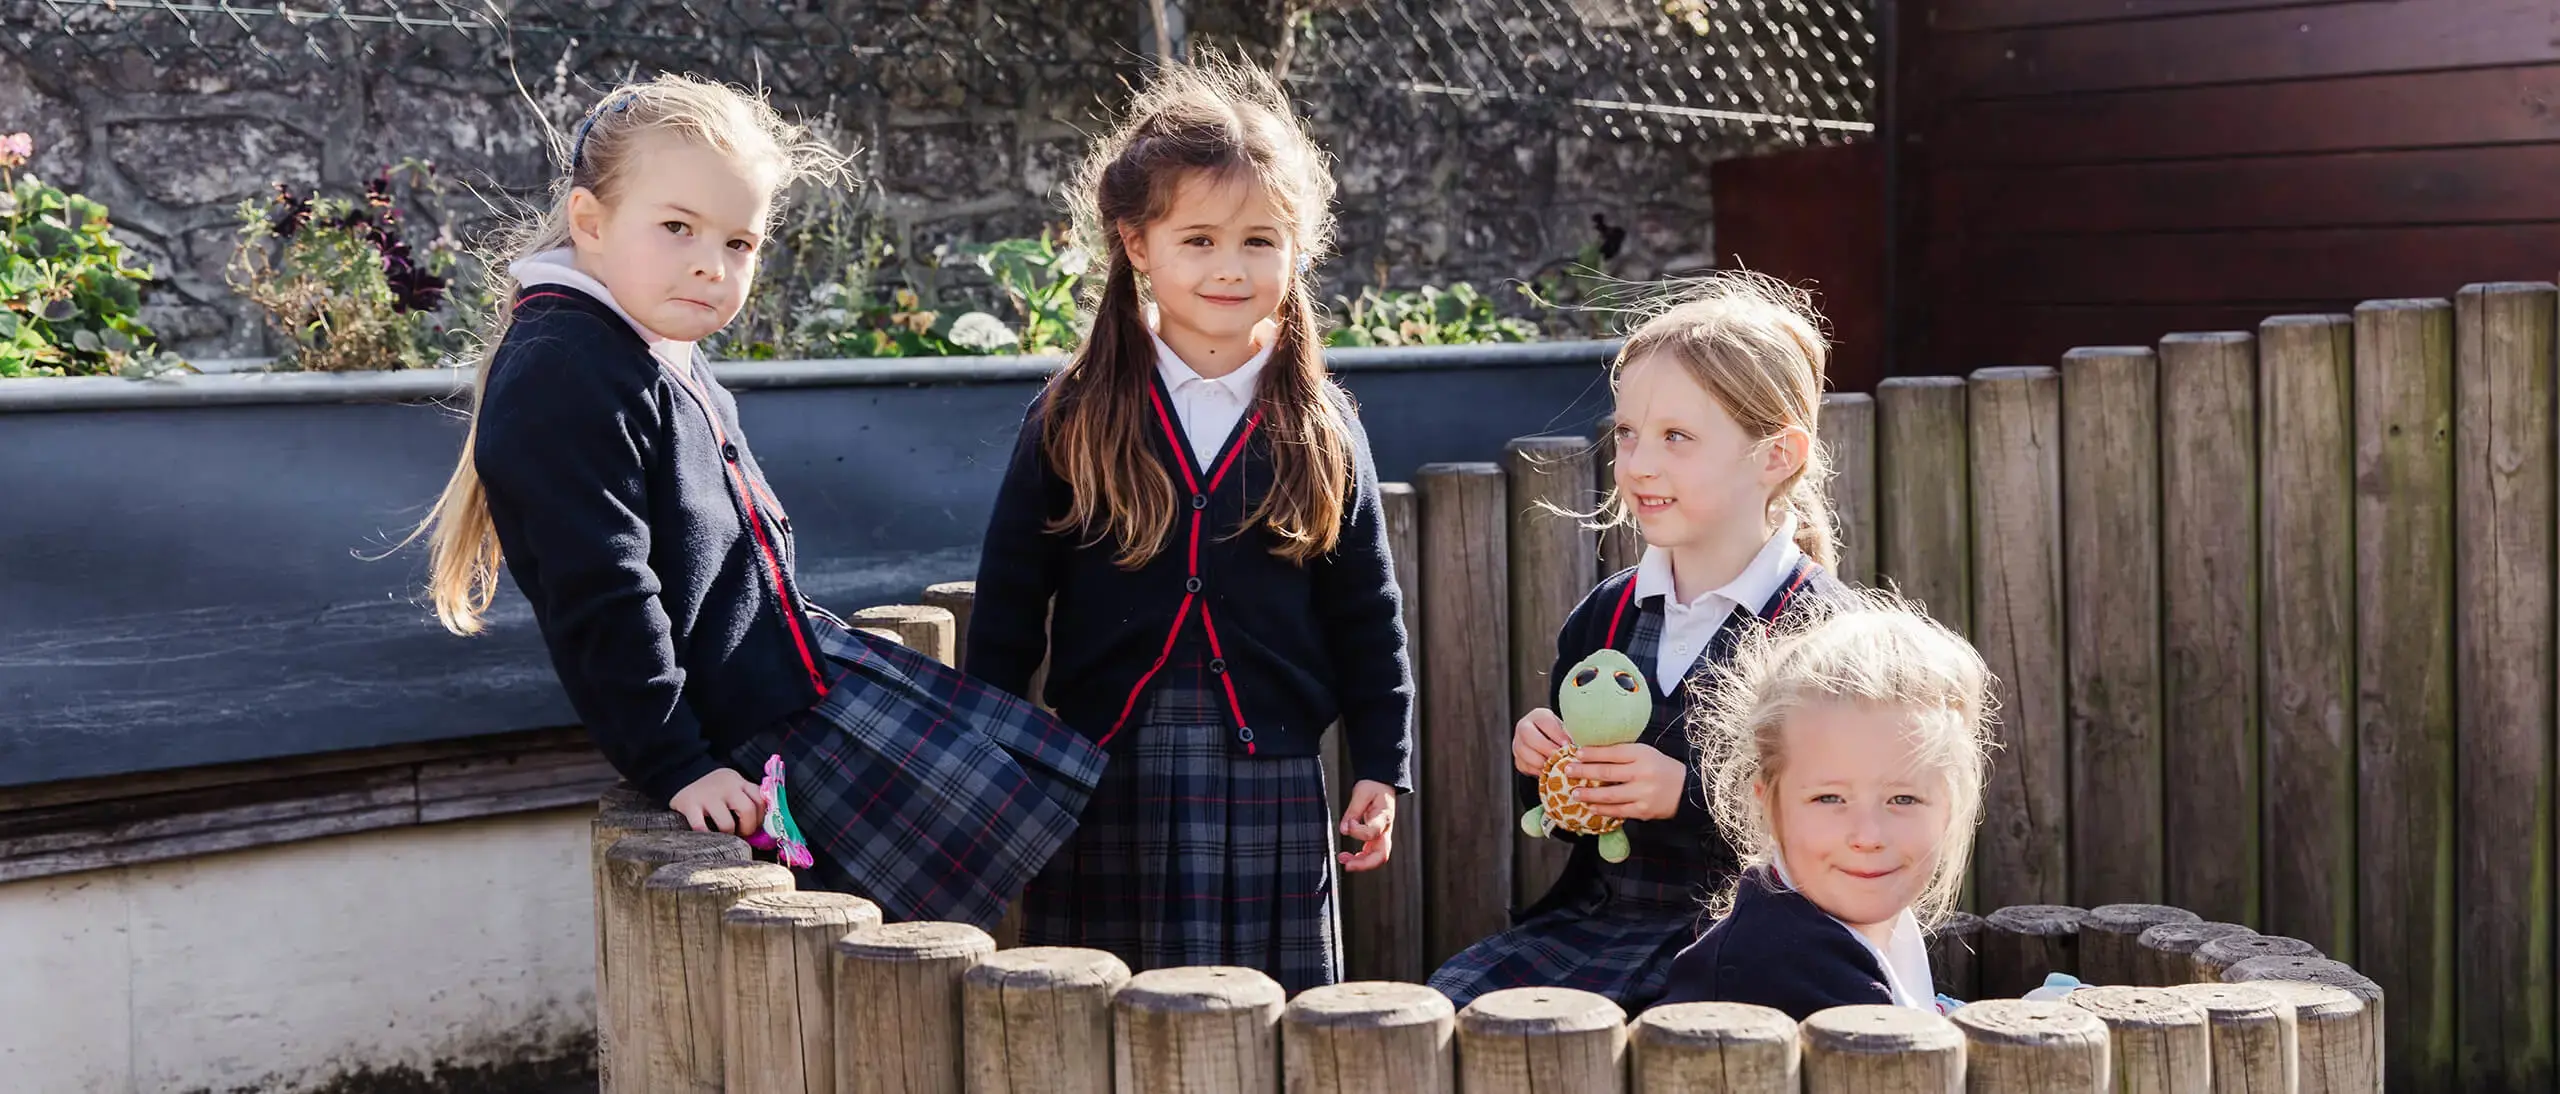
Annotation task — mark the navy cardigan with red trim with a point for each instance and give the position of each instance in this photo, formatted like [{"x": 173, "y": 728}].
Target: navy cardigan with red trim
[
  {"x": 636, "y": 521},
  {"x": 1290, "y": 647}
]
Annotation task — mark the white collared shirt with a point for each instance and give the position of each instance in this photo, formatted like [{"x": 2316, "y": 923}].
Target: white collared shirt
[
  {"x": 1209, "y": 409},
  {"x": 1688, "y": 628},
  {"x": 557, "y": 267},
  {"x": 1904, "y": 958}
]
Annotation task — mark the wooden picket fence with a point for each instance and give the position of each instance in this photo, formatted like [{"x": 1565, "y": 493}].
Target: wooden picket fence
[{"x": 714, "y": 974}]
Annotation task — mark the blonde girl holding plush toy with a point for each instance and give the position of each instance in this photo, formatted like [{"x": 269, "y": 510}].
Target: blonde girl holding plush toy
[
  {"x": 1718, "y": 466},
  {"x": 1845, "y": 760}
]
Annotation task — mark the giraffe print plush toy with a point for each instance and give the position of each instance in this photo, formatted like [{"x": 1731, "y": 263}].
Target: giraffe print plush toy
[{"x": 1605, "y": 701}]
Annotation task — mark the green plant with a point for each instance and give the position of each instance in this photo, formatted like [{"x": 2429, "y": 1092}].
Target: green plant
[
  {"x": 836, "y": 324},
  {"x": 1429, "y": 317},
  {"x": 337, "y": 277},
  {"x": 68, "y": 295},
  {"x": 1039, "y": 276}
]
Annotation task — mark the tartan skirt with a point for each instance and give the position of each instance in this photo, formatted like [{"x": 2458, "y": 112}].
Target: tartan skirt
[
  {"x": 1192, "y": 855},
  {"x": 1617, "y": 938},
  {"x": 919, "y": 788}
]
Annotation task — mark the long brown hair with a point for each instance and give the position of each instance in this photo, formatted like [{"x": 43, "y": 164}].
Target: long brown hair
[
  {"x": 1756, "y": 345},
  {"x": 1231, "y": 122},
  {"x": 462, "y": 543}
]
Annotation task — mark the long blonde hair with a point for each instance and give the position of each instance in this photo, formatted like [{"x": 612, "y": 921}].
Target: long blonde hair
[
  {"x": 1756, "y": 345},
  {"x": 1868, "y": 647},
  {"x": 1229, "y": 121},
  {"x": 596, "y": 156}
]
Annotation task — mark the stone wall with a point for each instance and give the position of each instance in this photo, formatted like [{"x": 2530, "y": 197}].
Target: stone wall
[{"x": 1433, "y": 189}]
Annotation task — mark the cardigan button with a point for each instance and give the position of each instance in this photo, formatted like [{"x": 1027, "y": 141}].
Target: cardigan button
[
  {"x": 729, "y": 452},
  {"x": 1218, "y": 665},
  {"x": 1199, "y": 501},
  {"x": 1191, "y": 585},
  {"x": 1244, "y": 734}
]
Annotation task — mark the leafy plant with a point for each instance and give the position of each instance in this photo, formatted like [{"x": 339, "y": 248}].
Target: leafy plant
[
  {"x": 1430, "y": 316},
  {"x": 337, "y": 277},
  {"x": 1039, "y": 276},
  {"x": 68, "y": 295},
  {"x": 835, "y": 324}
]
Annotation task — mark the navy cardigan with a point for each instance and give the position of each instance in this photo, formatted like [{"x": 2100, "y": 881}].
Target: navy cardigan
[
  {"x": 1292, "y": 646},
  {"x": 637, "y": 523},
  {"x": 1777, "y": 949}
]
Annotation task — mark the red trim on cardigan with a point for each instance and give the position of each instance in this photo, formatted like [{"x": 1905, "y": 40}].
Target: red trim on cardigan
[{"x": 1182, "y": 461}]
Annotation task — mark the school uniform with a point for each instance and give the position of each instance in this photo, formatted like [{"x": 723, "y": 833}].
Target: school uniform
[
  {"x": 1614, "y": 927},
  {"x": 661, "y": 571},
  {"x": 1209, "y": 675},
  {"x": 1777, "y": 949}
]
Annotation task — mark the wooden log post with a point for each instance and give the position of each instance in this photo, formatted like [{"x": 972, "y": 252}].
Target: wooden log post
[
  {"x": 930, "y": 631},
  {"x": 1875, "y": 1049},
  {"x": 2335, "y": 1048},
  {"x": 2021, "y": 855},
  {"x": 2404, "y": 676},
  {"x": 2110, "y": 946},
  {"x": 1369, "y": 1035},
  {"x": 1714, "y": 1048},
  {"x": 2306, "y": 555},
  {"x": 1620, "y": 544},
  {"x": 2167, "y": 952},
  {"x": 2111, "y": 622},
  {"x": 778, "y": 971},
  {"x": 2022, "y": 943},
  {"x": 1522, "y": 1040},
  {"x": 1207, "y": 1030},
  {"x": 2502, "y": 609},
  {"x": 2253, "y": 1038},
  {"x": 2315, "y": 970},
  {"x": 1382, "y": 918},
  {"x": 2219, "y": 954},
  {"x": 960, "y": 598},
  {"x": 898, "y": 1006},
  {"x": 1848, "y": 431},
  {"x": 684, "y": 902},
  {"x": 2157, "y": 1043},
  {"x": 624, "y": 995},
  {"x": 1039, "y": 1020},
  {"x": 1923, "y": 498},
  {"x": 2013, "y": 1046},
  {"x": 1552, "y": 558},
  {"x": 2209, "y": 621},
  {"x": 1466, "y": 734},
  {"x": 612, "y": 822},
  {"x": 1955, "y": 955}
]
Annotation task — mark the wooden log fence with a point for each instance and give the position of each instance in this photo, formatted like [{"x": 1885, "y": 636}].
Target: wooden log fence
[
  {"x": 2231, "y": 584},
  {"x": 737, "y": 982}
]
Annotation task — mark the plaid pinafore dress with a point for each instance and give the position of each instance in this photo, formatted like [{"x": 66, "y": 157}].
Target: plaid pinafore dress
[{"x": 1614, "y": 927}]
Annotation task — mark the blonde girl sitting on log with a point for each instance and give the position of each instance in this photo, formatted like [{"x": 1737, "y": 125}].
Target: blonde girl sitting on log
[{"x": 1845, "y": 760}]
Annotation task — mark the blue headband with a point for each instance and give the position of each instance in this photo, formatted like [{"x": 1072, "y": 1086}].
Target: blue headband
[{"x": 578, "y": 147}]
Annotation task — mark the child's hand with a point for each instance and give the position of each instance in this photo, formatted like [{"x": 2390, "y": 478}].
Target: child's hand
[
  {"x": 1535, "y": 741},
  {"x": 1371, "y": 819},
  {"x": 1637, "y": 782},
  {"x": 724, "y": 800}
]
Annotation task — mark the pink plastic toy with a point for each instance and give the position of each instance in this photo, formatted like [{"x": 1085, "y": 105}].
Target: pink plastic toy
[{"x": 780, "y": 834}]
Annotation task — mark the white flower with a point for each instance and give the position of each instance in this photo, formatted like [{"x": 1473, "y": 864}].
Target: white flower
[
  {"x": 982, "y": 332},
  {"x": 1072, "y": 263}
]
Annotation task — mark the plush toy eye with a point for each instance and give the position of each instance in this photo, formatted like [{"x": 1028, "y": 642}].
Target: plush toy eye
[
  {"x": 1584, "y": 678},
  {"x": 1626, "y": 682}
]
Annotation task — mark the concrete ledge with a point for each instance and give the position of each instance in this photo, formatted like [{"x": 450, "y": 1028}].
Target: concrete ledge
[
  {"x": 91, "y": 824},
  {"x": 33, "y": 396}
]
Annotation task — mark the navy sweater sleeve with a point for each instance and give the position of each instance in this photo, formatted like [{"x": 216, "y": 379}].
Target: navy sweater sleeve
[
  {"x": 1578, "y": 638},
  {"x": 1797, "y": 963},
  {"x": 1018, "y": 570},
  {"x": 563, "y": 445},
  {"x": 1362, "y": 611}
]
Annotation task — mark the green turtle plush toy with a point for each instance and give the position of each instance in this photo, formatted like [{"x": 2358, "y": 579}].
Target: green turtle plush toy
[{"x": 1605, "y": 701}]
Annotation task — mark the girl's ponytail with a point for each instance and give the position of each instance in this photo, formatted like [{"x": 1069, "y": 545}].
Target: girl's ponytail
[{"x": 1804, "y": 497}]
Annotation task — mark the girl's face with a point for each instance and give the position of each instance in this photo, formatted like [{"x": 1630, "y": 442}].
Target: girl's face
[
  {"x": 1858, "y": 815},
  {"x": 1217, "y": 259},
  {"x": 678, "y": 244},
  {"x": 1685, "y": 466}
]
